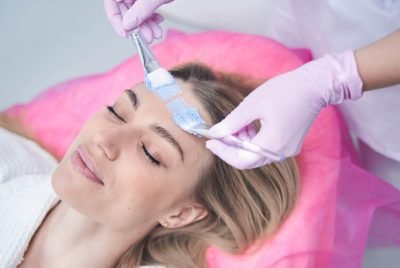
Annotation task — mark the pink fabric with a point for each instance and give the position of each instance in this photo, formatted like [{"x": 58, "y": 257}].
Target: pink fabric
[
  {"x": 331, "y": 221},
  {"x": 334, "y": 214}
]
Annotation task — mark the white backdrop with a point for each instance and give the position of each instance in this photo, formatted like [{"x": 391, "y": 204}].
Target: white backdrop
[{"x": 44, "y": 42}]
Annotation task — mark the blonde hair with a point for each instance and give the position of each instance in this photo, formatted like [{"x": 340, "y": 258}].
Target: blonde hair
[{"x": 243, "y": 205}]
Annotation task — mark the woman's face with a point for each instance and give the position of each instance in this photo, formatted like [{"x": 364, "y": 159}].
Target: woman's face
[{"x": 144, "y": 161}]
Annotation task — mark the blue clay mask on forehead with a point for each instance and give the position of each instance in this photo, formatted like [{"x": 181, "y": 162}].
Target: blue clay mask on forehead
[
  {"x": 162, "y": 83},
  {"x": 184, "y": 115},
  {"x": 165, "y": 92}
]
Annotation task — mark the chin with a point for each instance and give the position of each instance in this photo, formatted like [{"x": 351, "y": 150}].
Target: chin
[
  {"x": 77, "y": 193},
  {"x": 64, "y": 184},
  {"x": 69, "y": 187}
]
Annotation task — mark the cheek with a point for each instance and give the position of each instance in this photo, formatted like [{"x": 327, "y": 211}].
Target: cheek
[
  {"x": 72, "y": 188},
  {"x": 63, "y": 178},
  {"x": 140, "y": 198}
]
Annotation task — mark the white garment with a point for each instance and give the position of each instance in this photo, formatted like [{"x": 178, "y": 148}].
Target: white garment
[
  {"x": 26, "y": 194},
  {"x": 336, "y": 25}
]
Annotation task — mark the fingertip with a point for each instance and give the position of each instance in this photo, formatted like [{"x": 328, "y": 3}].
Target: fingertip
[
  {"x": 149, "y": 38},
  {"x": 123, "y": 33},
  {"x": 146, "y": 32},
  {"x": 157, "y": 18},
  {"x": 157, "y": 32},
  {"x": 156, "y": 29}
]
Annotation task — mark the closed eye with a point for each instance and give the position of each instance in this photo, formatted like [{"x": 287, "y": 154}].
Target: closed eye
[
  {"x": 115, "y": 114},
  {"x": 146, "y": 153},
  {"x": 149, "y": 156}
]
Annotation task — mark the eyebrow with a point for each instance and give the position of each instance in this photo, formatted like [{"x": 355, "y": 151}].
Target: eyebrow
[
  {"x": 159, "y": 130},
  {"x": 163, "y": 133},
  {"x": 133, "y": 98}
]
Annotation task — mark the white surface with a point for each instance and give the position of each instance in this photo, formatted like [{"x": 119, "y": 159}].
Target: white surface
[
  {"x": 46, "y": 42},
  {"x": 248, "y": 16}
]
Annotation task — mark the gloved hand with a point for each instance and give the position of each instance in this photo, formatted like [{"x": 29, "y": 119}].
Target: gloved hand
[
  {"x": 126, "y": 15},
  {"x": 286, "y": 106}
]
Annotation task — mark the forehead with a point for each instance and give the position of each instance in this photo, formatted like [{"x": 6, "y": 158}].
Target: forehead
[
  {"x": 152, "y": 99},
  {"x": 156, "y": 111}
]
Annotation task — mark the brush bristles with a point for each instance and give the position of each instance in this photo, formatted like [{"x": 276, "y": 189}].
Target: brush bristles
[
  {"x": 159, "y": 78},
  {"x": 188, "y": 119}
]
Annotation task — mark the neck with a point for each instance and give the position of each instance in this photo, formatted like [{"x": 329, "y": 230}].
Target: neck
[{"x": 69, "y": 237}]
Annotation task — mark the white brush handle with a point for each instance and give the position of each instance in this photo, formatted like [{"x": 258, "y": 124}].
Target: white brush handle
[
  {"x": 251, "y": 147},
  {"x": 203, "y": 130},
  {"x": 235, "y": 141}
]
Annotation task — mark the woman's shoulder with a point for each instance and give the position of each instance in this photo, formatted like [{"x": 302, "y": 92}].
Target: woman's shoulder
[
  {"x": 20, "y": 156},
  {"x": 26, "y": 194}
]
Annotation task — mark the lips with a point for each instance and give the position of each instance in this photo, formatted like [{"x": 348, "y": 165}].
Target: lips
[{"x": 85, "y": 165}]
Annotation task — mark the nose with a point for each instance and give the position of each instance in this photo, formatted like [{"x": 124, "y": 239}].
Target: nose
[{"x": 111, "y": 141}]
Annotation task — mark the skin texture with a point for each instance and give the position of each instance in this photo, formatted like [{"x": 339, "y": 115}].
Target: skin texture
[
  {"x": 379, "y": 62},
  {"x": 94, "y": 223}
]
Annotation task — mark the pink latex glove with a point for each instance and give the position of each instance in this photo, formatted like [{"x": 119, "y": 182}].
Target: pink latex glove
[
  {"x": 286, "y": 106},
  {"x": 126, "y": 15}
]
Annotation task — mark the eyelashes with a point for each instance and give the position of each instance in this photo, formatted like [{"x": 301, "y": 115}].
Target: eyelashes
[
  {"x": 146, "y": 153},
  {"x": 149, "y": 156},
  {"x": 115, "y": 114}
]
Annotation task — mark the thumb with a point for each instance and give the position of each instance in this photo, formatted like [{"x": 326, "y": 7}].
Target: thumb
[
  {"x": 140, "y": 11},
  {"x": 238, "y": 119}
]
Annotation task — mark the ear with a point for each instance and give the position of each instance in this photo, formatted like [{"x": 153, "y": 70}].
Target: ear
[{"x": 184, "y": 215}]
